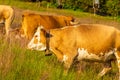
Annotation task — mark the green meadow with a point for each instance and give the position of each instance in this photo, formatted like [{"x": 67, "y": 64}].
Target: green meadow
[{"x": 19, "y": 63}]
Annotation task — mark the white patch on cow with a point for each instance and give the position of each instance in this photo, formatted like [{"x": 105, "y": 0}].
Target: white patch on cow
[
  {"x": 68, "y": 26},
  {"x": 64, "y": 27},
  {"x": 83, "y": 54},
  {"x": 38, "y": 45},
  {"x": 75, "y": 26},
  {"x": 65, "y": 57}
]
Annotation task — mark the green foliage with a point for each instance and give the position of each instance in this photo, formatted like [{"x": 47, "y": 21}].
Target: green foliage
[
  {"x": 17, "y": 63},
  {"x": 107, "y": 7},
  {"x": 113, "y": 7}
]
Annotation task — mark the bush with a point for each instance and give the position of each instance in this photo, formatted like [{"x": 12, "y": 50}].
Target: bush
[
  {"x": 107, "y": 7},
  {"x": 113, "y": 7}
]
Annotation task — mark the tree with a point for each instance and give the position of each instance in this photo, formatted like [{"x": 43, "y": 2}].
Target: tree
[{"x": 59, "y": 2}]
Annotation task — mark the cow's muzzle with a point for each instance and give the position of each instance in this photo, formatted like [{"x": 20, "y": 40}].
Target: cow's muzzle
[
  {"x": 48, "y": 53},
  {"x": 74, "y": 22}
]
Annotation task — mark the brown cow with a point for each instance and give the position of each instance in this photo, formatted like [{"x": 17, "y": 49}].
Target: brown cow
[
  {"x": 93, "y": 42},
  {"x": 31, "y": 21},
  {"x": 6, "y": 16}
]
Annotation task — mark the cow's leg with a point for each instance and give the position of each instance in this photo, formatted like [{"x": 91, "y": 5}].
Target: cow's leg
[
  {"x": 7, "y": 26},
  {"x": 67, "y": 63},
  {"x": 64, "y": 59},
  {"x": 68, "y": 60},
  {"x": 107, "y": 68},
  {"x": 117, "y": 54},
  {"x": 58, "y": 54},
  {"x": 8, "y": 23}
]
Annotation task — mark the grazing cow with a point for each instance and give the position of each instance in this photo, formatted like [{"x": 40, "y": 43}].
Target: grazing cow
[
  {"x": 31, "y": 21},
  {"x": 92, "y": 42},
  {"x": 6, "y": 16}
]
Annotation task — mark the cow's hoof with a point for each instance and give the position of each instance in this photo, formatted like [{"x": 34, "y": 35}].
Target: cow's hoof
[{"x": 48, "y": 53}]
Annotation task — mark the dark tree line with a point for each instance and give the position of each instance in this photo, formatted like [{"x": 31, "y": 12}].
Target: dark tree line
[{"x": 105, "y": 7}]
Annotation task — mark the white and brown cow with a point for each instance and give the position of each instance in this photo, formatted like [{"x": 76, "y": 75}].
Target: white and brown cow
[
  {"x": 94, "y": 42},
  {"x": 6, "y": 16}
]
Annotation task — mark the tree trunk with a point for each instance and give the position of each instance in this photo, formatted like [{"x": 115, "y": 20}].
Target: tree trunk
[{"x": 59, "y": 2}]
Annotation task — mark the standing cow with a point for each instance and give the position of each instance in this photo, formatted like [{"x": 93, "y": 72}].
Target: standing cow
[
  {"x": 6, "y": 16},
  {"x": 31, "y": 21},
  {"x": 92, "y": 42}
]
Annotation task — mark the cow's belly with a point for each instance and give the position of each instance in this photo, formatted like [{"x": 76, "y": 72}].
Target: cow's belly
[{"x": 83, "y": 54}]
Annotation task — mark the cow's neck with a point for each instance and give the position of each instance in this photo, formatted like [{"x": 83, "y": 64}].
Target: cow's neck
[{"x": 47, "y": 42}]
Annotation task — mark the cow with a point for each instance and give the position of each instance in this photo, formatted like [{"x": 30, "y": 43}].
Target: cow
[
  {"x": 87, "y": 42},
  {"x": 6, "y": 16},
  {"x": 31, "y": 21}
]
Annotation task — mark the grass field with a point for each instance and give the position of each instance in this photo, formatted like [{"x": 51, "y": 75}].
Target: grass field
[{"x": 18, "y": 63}]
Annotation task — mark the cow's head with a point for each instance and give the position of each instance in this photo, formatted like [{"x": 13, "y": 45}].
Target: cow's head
[
  {"x": 40, "y": 41},
  {"x": 68, "y": 20}
]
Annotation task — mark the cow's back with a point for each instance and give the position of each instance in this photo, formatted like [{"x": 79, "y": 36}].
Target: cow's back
[
  {"x": 5, "y": 11},
  {"x": 96, "y": 38},
  {"x": 88, "y": 36}
]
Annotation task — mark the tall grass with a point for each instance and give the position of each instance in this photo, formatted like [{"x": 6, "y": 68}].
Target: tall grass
[{"x": 18, "y": 63}]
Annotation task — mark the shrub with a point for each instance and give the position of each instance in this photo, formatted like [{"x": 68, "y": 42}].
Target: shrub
[{"x": 107, "y": 7}]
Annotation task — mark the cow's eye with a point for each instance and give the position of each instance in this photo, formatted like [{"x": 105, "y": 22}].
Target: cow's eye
[{"x": 36, "y": 36}]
